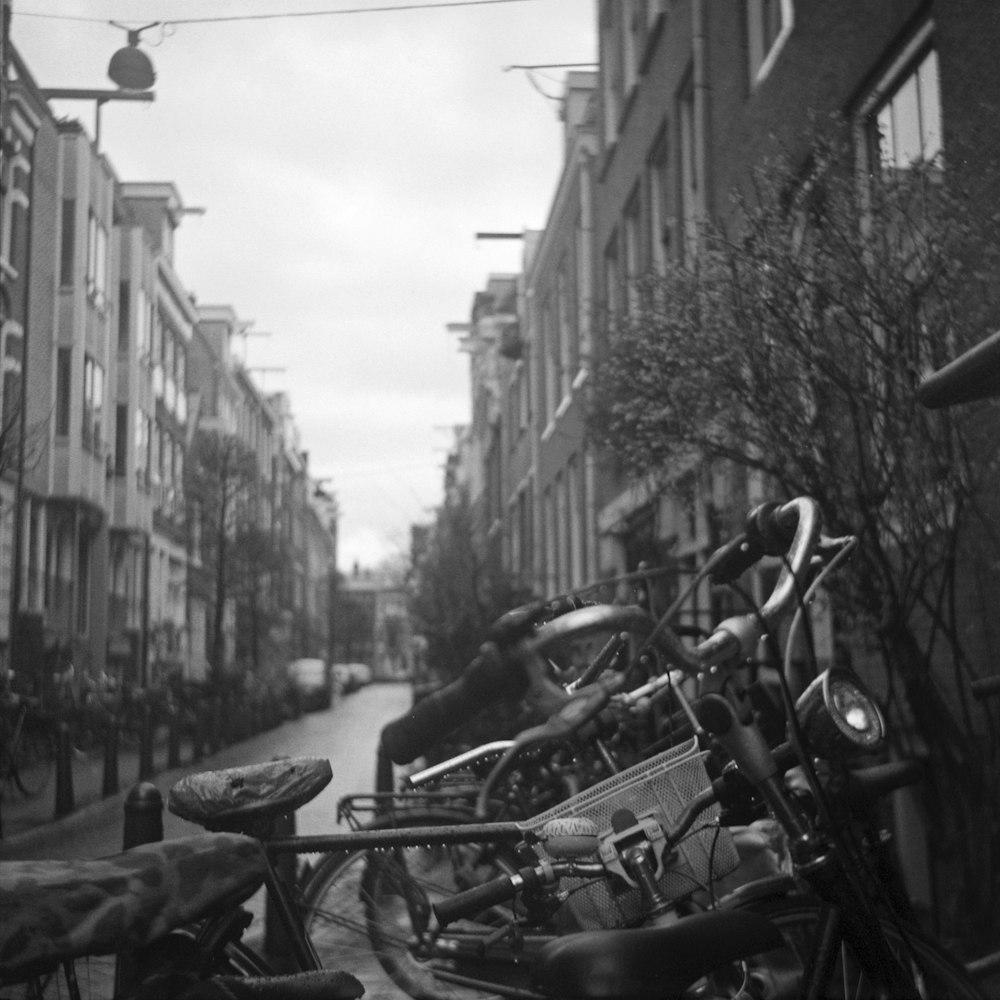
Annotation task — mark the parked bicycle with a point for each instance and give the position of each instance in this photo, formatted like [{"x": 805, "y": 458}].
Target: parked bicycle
[
  {"x": 528, "y": 909},
  {"x": 142, "y": 925},
  {"x": 27, "y": 749}
]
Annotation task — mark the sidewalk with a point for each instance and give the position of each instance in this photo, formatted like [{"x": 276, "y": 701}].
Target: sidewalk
[
  {"x": 347, "y": 735},
  {"x": 22, "y": 817}
]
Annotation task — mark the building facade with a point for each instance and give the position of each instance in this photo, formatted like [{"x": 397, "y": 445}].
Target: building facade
[
  {"x": 110, "y": 371},
  {"x": 689, "y": 97}
]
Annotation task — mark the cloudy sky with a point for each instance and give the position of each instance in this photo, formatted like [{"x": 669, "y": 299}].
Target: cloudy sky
[{"x": 345, "y": 161}]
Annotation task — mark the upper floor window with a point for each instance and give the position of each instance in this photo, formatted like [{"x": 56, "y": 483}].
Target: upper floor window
[
  {"x": 97, "y": 262},
  {"x": 690, "y": 183},
  {"x": 904, "y": 124},
  {"x": 632, "y": 239},
  {"x": 659, "y": 188},
  {"x": 769, "y": 23},
  {"x": 13, "y": 354},
  {"x": 93, "y": 402}
]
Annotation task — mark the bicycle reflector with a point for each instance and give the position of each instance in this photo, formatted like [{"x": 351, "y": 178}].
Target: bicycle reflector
[{"x": 836, "y": 712}]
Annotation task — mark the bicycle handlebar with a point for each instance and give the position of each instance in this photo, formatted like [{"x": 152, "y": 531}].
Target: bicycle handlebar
[
  {"x": 504, "y": 887},
  {"x": 798, "y": 521},
  {"x": 496, "y": 673},
  {"x": 971, "y": 376},
  {"x": 490, "y": 677},
  {"x": 986, "y": 687}
]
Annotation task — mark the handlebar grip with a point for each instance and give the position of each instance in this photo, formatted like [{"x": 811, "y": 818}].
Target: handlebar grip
[
  {"x": 489, "y": 678},
  {"x": 475, "y": 900},
  {"x": 985, "y": 687},
  {"x": 732, "y": 560},
  {"x": 973, "y": 375},
  {"x": 770, "y": 527}
]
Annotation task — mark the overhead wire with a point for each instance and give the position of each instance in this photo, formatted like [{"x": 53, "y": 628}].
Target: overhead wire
[{"x": 284, "y": 14}]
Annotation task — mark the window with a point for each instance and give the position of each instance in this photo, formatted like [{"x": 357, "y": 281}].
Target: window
[
  {"x": 121, "y": 438},
  {"x": 144, "y": 325},
  {"x": 768, "y": 23},
  {"x": 612, "y": 278},
  {"x": 67, "y": 249},
  {"x": 659, "y": 204},
  {"x": 552, "y": 353},
  {"x": 689, "y": 179},
  {"x": 143, "y": 454},
  {"x": 124, "y": 315},
  {"x": 64, "y": 362},
  {"x": 97, "y": 262},
  {"x": 905, "y": 126},
  {"x": 633, "y": 253},
  {"x": 566, "y": 336},
  {"x": 13, "y": 347},
  {"x": 93, "y": 403}
]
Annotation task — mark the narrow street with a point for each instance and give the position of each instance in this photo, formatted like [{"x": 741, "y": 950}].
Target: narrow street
[{"x": 347, "y": 735}]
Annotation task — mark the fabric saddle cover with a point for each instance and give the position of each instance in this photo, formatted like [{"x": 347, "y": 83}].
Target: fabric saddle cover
[{"x": 50, "y": 910}]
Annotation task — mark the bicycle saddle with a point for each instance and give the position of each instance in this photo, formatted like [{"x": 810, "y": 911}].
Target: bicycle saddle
[
  {"x": 52, "y": 910},
  {"x": 235, "y": 799}
]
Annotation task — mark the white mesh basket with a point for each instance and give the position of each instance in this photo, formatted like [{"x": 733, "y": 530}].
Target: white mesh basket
[{"x": 661, "y": 787}]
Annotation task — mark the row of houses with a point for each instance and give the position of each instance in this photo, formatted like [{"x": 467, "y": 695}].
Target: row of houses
[
  {"x": 686, "y": 97},
  {"x": 112, "y": 371}
]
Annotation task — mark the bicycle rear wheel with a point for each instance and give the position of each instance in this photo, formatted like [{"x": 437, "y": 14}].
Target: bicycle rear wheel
[{"x": 779, "y": 975}]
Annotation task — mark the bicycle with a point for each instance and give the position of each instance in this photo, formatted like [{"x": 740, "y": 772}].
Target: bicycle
[
  {"x": 387, "y": 887},
  {"x": 144, "y": 924},
  {"x": 27, "y": 750},
  {"x": 844, "y": 926}
]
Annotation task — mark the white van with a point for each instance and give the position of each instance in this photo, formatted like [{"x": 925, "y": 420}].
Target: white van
[{"x": 313, "y": 681}]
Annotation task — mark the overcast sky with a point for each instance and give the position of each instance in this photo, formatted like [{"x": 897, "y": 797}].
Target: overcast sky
[{"x": 345, "y": 162}]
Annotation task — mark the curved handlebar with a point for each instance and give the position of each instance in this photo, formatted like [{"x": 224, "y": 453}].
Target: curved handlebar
[{"x": 737, "y": 637}]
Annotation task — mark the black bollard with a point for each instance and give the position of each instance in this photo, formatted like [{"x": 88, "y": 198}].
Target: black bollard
[
  {"x": 146, "y": 769},
  {"x": 143, "y": 815},
  {"x": 112, "y": 739},
  {"x": 64, "y": 770},
  {"x": 198, "y": 735},
  {"x": 215, "y": 725},
  {"x": 384, "y": 774},
  {"x": 174, "y": 738},
  {"x": 143, "y": 825}
]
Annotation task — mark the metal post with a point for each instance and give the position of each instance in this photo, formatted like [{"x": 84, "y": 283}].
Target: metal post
[
  {"x": 146, "y": 769},
  {"x": 64, "y": 770},
  {"x": 112, "y": 734},
  {"x": 143, "y": 815},
  {"x": 143, "y": 825},
  {"x": 174, "y": 738}
]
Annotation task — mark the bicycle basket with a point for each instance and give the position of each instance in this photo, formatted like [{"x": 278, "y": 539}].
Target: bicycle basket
[{"x": 659, "y": 787}]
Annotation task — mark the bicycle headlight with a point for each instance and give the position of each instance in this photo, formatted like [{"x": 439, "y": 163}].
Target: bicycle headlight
[{"x": 836, "y": 711}]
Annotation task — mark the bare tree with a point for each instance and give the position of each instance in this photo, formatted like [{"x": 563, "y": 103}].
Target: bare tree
[
  {"x": 792, "y": 347},
  {"x": 222, "y": 477},
  {"x": 458, "y": 590}
]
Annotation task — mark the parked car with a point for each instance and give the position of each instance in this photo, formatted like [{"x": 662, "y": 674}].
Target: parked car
[
  {"x": 350, "y": 676},
  {"x": 312, "y": 679}
]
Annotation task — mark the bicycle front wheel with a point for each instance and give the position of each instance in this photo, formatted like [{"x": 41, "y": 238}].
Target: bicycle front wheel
[
  {"x": 780, "y": 974},
  {"x": 368, "y": 913}
]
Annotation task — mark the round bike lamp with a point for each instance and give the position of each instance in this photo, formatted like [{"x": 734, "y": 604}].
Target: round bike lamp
[{"x": 836, "y": 711}]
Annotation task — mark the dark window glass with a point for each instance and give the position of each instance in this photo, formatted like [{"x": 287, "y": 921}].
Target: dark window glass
[
  {"x": 64, "y": 359},
  {"x": 68, "y": 241}
]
